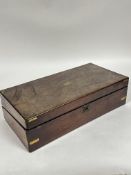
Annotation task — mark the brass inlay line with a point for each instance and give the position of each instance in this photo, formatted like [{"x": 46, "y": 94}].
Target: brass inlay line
[
  {"x": 32, "y": 119},
  {"x": 34, "y": 141}
]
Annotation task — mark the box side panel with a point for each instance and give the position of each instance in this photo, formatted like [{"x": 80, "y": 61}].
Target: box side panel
[
  {"x": 75, "y": 104},
  {"x": 20, "y": 132},
  {"x": 55, "y": 128},
  {"x": 13, "y": 111}
]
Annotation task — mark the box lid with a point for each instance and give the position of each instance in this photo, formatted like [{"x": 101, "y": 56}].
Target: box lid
[{"x": 36, "y": 98}]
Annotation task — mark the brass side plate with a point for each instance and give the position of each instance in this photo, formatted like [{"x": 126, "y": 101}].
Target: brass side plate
[
  {"x": 34, "y": 141},
  {"x": 123, "y": 98}
]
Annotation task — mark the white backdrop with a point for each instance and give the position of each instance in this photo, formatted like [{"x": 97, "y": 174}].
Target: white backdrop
[{"x": 38, "y": 38}]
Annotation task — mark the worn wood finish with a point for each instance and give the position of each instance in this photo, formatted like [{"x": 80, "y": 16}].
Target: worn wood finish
[
  {"x": 63, "y": 109},
  {"x": 72, "y": 120},
  {"x": 17, "y": 128},
  {"x": 41, "y": 99},
  {"x": 44, "y": 109},
  {"x": 60, "y": 126}
]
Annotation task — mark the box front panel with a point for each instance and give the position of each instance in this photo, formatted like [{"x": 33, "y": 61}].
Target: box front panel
[
  {"x": 61, "y": 125},
  {"x": 75, "y": 104}
]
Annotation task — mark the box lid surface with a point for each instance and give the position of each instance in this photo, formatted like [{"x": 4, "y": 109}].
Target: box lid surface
[{"x": 45, "y": 94}]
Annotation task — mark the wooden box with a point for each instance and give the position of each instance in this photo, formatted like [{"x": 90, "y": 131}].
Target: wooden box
[{"x": 42, "y": 110}]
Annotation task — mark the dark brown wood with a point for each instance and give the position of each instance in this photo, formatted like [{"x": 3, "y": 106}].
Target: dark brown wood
[
  {"x": 17, "y": 128},
  {"x": 42, "y": 110},
  {"x": 63, "y": 109},
  {"x": 72, "y": 120},
  {"x": 60, "y": 126},
  {"x": 35, "y": 102}
]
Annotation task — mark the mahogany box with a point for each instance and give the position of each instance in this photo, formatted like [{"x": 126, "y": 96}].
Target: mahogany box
[{"x": 45, "y": 109}]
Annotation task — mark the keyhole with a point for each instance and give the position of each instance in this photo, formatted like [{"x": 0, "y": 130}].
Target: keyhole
[{"x": 85, "y": 108}]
